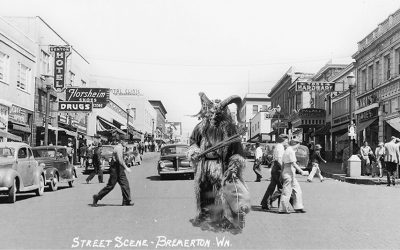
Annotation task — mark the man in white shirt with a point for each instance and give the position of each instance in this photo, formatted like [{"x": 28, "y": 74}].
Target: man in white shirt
[
  {"x": 275, "y": 171},
  {"x": 257, "y": 162},
  {"x": 291, "y": 187}
]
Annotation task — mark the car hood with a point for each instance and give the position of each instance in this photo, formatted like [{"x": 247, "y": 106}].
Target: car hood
[{"x": 172, "y": 156}]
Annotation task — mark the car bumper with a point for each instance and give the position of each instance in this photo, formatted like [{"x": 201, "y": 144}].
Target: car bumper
[
  {"x": 2, "y": 189},
  {"x": 171, "y": 172}
]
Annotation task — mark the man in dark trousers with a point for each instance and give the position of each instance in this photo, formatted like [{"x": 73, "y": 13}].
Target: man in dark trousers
[
  {"x": 275, "y": 171},
  {"x": 96, "y": 161},
  {"x": 117, "y": 174}
]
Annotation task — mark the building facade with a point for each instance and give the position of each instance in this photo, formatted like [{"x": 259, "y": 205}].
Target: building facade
[
  {"x": 252, "y": 104},
  {"x": 161, "y": 118},
  {"x": 17, "y": 85},
  {"x": 378, "y": 82}
]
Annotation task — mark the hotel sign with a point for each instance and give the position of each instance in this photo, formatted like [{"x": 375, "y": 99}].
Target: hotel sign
[
  {"x": 126, "y": 92},
  {"x": 315, "y": 86},
  {"x": 60, "y": 59},
  {"x": 98, "y": 96}
]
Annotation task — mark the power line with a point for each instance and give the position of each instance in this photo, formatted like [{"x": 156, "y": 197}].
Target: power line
[{"x": 120, "y": 60}]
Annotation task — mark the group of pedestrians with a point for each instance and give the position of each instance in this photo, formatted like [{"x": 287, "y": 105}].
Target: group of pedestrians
[{"x": 283, "y": 177}]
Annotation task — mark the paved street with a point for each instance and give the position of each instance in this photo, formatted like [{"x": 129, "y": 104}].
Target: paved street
[{"x": 339, "y": 215}]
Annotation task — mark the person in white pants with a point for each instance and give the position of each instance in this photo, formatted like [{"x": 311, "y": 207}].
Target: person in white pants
[
  {"x": 316, "y": 159},
  {"x": 290, "y": 186}
]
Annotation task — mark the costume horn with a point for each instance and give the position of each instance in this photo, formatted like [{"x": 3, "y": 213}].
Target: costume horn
[
  {"x": 204, "y": 103},
  {"x": 236, "y": 100}
]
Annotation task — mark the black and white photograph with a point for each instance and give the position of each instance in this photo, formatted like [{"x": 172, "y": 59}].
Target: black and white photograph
[{"x": 199, "y": 124}]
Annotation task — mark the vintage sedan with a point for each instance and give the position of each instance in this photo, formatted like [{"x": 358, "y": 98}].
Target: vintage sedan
[
  {"x": 173, "y": 161},
  {"x": 54, "y": 160},
  {"x": 106, "y": 156},
  {"x": 19, "y": 171}
]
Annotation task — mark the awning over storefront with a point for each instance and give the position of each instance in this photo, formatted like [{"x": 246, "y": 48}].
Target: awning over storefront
[
  {"x": 325, "y": 130},
  {"x": 394, "y": 123},
  {"x": 10, "y": 136},
  {"x": 364, "y": 125},
  {"x": 103, "y": 125},
  {"x": 340, "y": 127}
]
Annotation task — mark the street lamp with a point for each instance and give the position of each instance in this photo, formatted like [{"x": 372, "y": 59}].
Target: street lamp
[
  {"x": 351, "y": 80},
  {"x": 278, "y": 110}
]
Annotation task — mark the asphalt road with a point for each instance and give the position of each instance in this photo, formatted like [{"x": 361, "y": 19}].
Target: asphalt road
[{"x": 339, "y": 215}]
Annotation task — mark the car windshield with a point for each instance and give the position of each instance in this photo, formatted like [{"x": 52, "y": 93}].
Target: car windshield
[
  {"x": 7, "y": 152},
  {"x": 174, "y": 150},
  {"x": 37, "y": 153}
]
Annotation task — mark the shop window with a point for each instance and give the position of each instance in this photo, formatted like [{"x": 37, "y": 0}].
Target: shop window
[
  {"x": 255, "y": 109},
  {"x": 24, "y": 77},
  {"x": 4, "y": 67}
]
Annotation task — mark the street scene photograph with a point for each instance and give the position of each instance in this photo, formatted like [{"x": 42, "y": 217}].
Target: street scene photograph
[{"x": 187, "y": 124}]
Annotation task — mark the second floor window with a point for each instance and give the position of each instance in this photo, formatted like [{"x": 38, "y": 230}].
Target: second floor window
[
  {"x": 71, "y": 78},
  {"x": 371, "y": 77},
  {"x": 255, "y": 109},
  {"x": 44, "y": 63},
  {"x": 24, "y": 77},
  {"x": 387, "y": 67},
  {"x": 4, "y": 67},
  {"x": 377, "y": 73},
  {"x": 398, "y": 60}
]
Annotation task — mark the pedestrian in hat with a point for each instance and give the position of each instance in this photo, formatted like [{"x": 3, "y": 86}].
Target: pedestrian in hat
[
  {"x": 257, "y": 162},
  {"x": 290, "y": 185},
  {"x": 276, "y": 169},
  {"x": 392, "y": 154},
  {"x": 366, "y": 152},
  {"x": 117, "y": 174},
  {"x": 96, "y": 162},
  {"x": 380, "y": 154},
  {"x": 316, "y": 160}
]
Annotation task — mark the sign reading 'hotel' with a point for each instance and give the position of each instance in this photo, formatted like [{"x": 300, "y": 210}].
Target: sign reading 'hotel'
[
  {"x": 98, "y": 96},
  {"x": 315, "y": 86},
  {"x": 60, "y": 58}
]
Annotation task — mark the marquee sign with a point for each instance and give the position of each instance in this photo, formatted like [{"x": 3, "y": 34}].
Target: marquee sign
[
  {"x": 315, "y": 86},
  {"x": 126, "y": 92},
  {"x": 60, "y": 58},
  {"x": 98, "y": 96}
]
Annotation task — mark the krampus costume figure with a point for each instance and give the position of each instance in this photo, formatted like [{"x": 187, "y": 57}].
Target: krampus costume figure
[{"x": 221, "y": 194}]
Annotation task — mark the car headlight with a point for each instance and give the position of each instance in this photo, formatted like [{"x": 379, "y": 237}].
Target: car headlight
[{"x": 162, "y": 164}]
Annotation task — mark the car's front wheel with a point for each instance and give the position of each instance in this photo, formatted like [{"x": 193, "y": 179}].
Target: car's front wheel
[
  {"x": 40, "y": 190},
  {"x": 12, "y": 193},
  {"x": 54, "y": 183},
  {"x": 71, "y": 183}
]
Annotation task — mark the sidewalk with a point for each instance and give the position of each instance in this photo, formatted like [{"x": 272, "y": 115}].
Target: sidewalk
[{"x": 334, "y": 170}]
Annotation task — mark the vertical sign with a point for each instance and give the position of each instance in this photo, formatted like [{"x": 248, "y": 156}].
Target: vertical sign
[{"x": 60, "y": 58}]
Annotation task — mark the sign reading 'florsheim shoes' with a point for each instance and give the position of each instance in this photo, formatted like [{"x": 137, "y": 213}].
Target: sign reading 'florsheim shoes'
[
  {"x": 98, "y": 96},
  {"x": 60, "y": 58}
]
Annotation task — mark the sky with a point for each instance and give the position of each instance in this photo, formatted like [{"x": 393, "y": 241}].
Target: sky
[{"x": 173, "y": 49}]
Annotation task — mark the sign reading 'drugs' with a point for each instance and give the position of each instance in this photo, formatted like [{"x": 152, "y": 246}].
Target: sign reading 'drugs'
[
  {"x": 74, "y": 106},
  {"x": 98, "y": 96}
]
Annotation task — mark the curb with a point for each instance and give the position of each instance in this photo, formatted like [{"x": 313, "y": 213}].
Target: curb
[{"x": 357, "y": 180}]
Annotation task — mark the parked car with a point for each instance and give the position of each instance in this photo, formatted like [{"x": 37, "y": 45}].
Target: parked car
[
  {"x": 106, "y": 156},
  {"x": 19, "y": 171},
  {"x": 54, "y": 160},
  {"x": 173, "y": 161}
]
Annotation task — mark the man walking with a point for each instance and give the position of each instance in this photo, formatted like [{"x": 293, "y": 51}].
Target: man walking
[
  {"x": 392, "y": 155},
  {"x": 117, "y": 174},
  {"x": 257, "y": 162},
  {"x": 290, "y": 185},
  {"x": 96, "y": 161},
  {"x": 316, "y": 160},
  {"x": 275, "y": 171}
]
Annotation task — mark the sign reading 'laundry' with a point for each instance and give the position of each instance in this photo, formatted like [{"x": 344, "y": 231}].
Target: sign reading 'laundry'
[{"x": 98, "y": 96}]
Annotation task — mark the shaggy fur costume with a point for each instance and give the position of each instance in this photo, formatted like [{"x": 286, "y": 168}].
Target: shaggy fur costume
[{"x": 214, "y": 128}]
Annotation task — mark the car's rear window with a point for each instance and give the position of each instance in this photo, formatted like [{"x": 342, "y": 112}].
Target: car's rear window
[
  {"x": 44, "y": 152},
  {"x": 7, "y": 152},
  {"x": 174, "y": 150}
]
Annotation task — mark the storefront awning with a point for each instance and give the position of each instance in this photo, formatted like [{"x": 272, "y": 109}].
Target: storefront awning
[
  {"x": 394, "y": 123},
  {"x": 325, "y": 130},
  {"x": 106, "y": 126},
  {"x": 364, "y": 125},
  {"x": 10, "y": 136}
]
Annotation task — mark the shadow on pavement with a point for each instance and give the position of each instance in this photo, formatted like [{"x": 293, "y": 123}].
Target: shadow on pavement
[
  {"x": 169, "y": 177},
  {"x": 105, "y": 205},
  {"x": 258, "y": 208}
]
